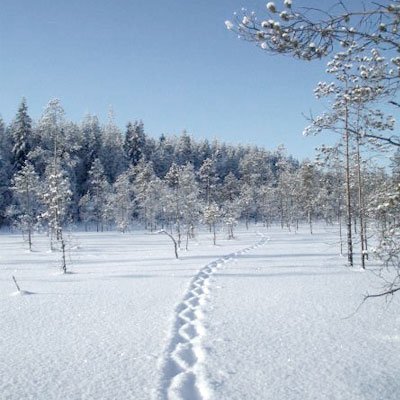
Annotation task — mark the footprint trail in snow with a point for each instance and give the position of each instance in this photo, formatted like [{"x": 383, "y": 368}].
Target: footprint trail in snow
[{"x": 182, "y": 367}]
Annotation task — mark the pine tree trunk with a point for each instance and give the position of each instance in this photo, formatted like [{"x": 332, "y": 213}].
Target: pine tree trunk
[
  {"x": 64, "y": 263},
  {"x": 365, "y": 240},
  {"x": 214, "y": 235},
  {"x": 348, "y": 193},
  {"x": 29, "y": 212},
  {"x": 340, "y": 229},
  {"x": 30, "y": 237},
  {"x": 178, "y": 231},
  {"x": 361, "y": 204}
]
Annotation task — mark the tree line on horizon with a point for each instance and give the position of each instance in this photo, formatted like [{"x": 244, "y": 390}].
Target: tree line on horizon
[{"x": 55, "y": 172}]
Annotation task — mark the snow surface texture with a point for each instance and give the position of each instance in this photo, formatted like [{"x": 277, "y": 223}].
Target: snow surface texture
[
  {"x": 247, "y": 319},
  {"x": 183, "y": 376}
]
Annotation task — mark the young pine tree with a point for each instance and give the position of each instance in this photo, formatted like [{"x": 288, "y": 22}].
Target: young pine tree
[{"x": 26, "y": 194}]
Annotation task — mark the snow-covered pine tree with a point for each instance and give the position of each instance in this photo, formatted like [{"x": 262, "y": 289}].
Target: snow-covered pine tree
[
  {"x": 182, "y": 199},
  {"x": 190, "y": 204},
  {"x": 85, "y": 207},
  {"x": 98, "y": 189},
  {"x": 230, "y": 213},
  {"x": 212, "y": 216},
  {"x": 56, "y": 199},
  {"x": 359, "y": 82},
  {"x": 285, "y": 191},
  {"x": 123, "y": 200},
  {"x": 365, "y": 33},
  {"x": 208, "y": 180},
  {"x": 230, "y": 189},
  {"x": 267, "y": 204},
  {"x": 247, "y": 203},
  {"x": 307, "y": 193},
  {"x": 148, "y": 192},
  {"x": 173, "y": 199},
  {"x": 56, "y": 191},
  {"x": 26, "y": 200}
]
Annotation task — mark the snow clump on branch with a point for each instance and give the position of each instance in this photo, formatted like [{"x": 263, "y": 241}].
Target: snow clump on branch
[
  {"x": 287, "y": 3},
  {"x": 229, "y": 25},
  {"x": 271, "y": 7}
]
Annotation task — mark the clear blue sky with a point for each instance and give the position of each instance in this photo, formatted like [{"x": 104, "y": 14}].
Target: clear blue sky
[{"x": 170, "y": 63}]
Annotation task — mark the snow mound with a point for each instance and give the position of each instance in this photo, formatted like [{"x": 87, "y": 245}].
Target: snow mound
[{"x": 22, "y": 293}]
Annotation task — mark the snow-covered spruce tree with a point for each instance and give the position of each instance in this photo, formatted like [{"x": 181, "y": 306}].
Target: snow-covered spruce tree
[
  {"x": 21, "y": 131},
  {"x": 112, "y": 150},
  {"x": 163, "y": 156},
  {"x": 26, "y": 200},
  {"x": 87, "y": 149},
  {"x": 5, "y": 171},
  {"x": 203, "y": 152},
  {"x": 184, "y": 149},
  {"x": 135, "y": 141}
]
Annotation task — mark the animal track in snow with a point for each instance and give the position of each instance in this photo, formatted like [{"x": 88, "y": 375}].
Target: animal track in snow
[{"x": 182, "y": 365}]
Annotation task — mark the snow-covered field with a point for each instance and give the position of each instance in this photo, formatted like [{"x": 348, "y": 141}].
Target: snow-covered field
[{"x": 269, "y": 315}]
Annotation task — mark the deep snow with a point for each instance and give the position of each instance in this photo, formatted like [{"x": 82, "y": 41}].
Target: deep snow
[{"x": 268, "y": 315}]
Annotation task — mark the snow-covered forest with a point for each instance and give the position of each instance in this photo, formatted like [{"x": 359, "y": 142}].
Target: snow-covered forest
[{"x": 57, "y": 172}]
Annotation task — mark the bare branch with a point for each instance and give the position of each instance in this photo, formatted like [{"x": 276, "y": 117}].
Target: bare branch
[
  {"x": 173, "y": 240},
  {"x": 386, "y": 293}
]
